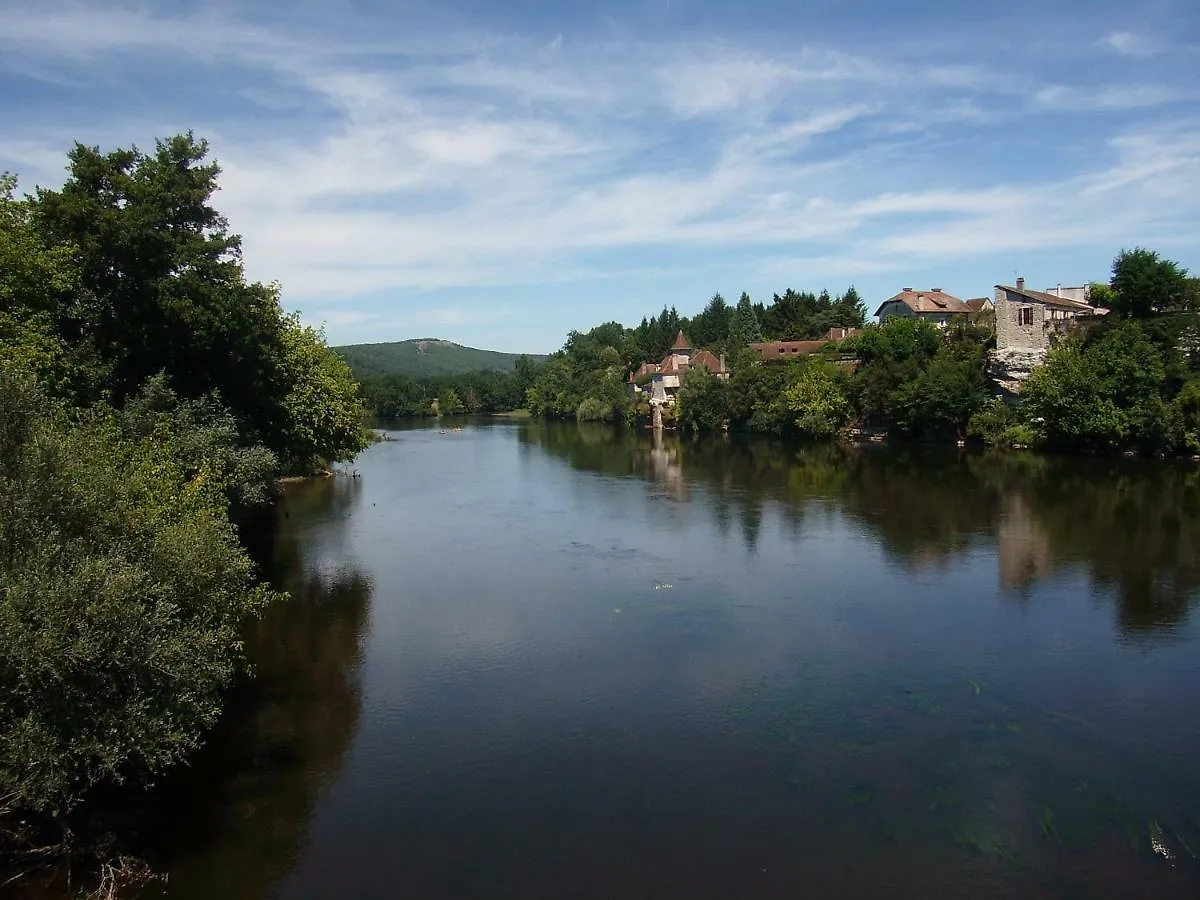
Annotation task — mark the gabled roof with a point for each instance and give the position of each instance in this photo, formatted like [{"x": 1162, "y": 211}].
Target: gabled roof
[
  {"x": 927, "y": 302},
  {"x": 1048, "y": 299},
  {"x": 978, "y": 303},
  {"x": 681, "y": 342},
  {"x": 670, "y": 367},
  {"x": 645, "y": 368},
  {"x": 708, "y": 360}
]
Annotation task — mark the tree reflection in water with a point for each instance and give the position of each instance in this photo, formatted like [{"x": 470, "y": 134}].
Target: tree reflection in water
[
  {"x": 248, "y": 799},
  {"x": 1132, "y": 525}
]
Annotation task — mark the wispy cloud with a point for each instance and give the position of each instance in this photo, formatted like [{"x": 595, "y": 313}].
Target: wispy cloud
[
  {"x": 360, "y": 167},
  {"x": 1127, "y": 43}
]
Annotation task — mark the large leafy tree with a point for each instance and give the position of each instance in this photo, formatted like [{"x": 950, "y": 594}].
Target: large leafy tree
[
  {"x": 1143, "y": 283},
  {"x": 702, "y": 401},
  {"x": 1101, "y": 396},
  {"x": 161, "y": 289},
  {"x": 817, "y": 400}
]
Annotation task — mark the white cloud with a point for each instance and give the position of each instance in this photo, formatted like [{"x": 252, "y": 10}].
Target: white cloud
[
  {"x": 475, "y": 161},
  {"x": 1109, "y": 97},
  {"x": 1126, "y": 43}
]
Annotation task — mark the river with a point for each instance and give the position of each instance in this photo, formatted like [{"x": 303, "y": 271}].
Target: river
[{"x": 535, "y": 661}]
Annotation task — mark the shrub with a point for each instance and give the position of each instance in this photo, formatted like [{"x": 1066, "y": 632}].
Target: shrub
[{"x": 122, "y": 593}]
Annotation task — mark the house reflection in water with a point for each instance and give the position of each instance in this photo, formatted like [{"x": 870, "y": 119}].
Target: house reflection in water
[
  {"x": 666, "y": 468},
  {"x": 1023, "y": 545}
]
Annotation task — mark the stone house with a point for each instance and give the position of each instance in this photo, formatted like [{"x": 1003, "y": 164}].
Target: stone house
[
  {"x": 1027, "y": 319},
  {"x": 666, "y": 377},
  {"x": 933, "y": 305}
]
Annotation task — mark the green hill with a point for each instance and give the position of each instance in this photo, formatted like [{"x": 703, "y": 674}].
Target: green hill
[{"x": 425, "y": 356}]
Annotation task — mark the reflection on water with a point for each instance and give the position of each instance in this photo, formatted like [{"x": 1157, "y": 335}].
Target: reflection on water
[
  {"x": 247, "y": 800},
  {"x": 1133, "y": 525},
  {"x": 542, "y": 661}
]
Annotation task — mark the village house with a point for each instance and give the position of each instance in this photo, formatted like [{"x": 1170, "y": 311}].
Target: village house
[
  {"x": 666, "y": 377},
  {"x": 772, "y": 351},
  {"x": 978, "y": 305},
  {"x": 1027, "y": 319},
  {"x": 933, "y": 305}
]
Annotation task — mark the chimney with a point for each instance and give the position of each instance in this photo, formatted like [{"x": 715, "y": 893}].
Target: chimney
[{"x": 1020, "y": 284}]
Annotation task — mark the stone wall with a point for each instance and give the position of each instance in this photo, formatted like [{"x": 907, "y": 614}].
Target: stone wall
[{"x": 1010, "y": 333}]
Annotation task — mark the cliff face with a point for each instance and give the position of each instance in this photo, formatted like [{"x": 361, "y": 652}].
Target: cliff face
[{"x": 1009, "y": 368}]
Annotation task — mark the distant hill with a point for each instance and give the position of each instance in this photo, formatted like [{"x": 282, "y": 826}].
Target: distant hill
[{"x": 426, "y": 356}]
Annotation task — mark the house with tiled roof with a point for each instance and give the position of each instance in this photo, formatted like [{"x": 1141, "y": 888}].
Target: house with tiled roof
[
  {"x": 774, "y": 351},
  {"x": 666, "y": 377},
  {"x": 933, "y": 305},
  {"x": 1026, "y": 319}
]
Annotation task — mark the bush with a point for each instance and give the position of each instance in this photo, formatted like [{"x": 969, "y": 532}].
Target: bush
[
  {"x": 122, "y": 594},
  {"x": 817, "y": 401},
  {"x": 593, "y": 409},
  {"x": 701, "y": 401}
]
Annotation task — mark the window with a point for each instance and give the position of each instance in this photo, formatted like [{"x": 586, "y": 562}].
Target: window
[{"x": 1025, "y": 315}]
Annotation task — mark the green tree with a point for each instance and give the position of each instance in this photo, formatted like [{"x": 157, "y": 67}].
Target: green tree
[
  {"x": 1143, "y": 283},
  {"x": 1101, "y": 295},
  {"x": 946, "y": 393},
  {"x": 702, "y": 403},
  {"x": 322, "y": 413},
  {"x": 1101, "y": 396},
  {"x": 122, "y": 595},
  {"x": 710, "y": 329},
  {"x": 38, "y": 285},
  {"x": 450, "y": 404},
  {"x": 746, "y": 329},
  {"x": 817, "y": 400}
]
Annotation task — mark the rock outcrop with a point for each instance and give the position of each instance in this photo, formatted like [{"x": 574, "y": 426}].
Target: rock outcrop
[{"x": 1009, "y": 368}]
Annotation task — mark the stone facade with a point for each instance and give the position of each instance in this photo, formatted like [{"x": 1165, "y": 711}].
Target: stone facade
[{"x": 1020, "y": 322}]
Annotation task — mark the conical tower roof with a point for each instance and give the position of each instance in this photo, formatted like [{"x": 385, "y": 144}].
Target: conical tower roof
[{"x": 681, "y": 342}]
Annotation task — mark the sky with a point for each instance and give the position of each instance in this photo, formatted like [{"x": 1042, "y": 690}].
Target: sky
[{"x": 499, "y": 173}]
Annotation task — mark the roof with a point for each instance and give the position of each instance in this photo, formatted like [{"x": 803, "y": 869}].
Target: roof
[
  {"x": 787, "y": 349},
  {"x": 708, "y": 360},
  {"x": 927, "y": 302},
  {"x": 681, "y": 342},
  {"x": 975, "y": 304},
  {"x": 645, "y": 368},
  {"x": 839, "y": 333},
  {"x": 1048, "y": 299}
]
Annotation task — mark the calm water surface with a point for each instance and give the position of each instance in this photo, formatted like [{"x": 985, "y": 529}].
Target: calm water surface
[{"x": 540, "y": 662}]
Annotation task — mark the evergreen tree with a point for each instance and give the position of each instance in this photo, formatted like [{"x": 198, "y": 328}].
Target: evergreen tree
[{"x": 746, "y": 328}]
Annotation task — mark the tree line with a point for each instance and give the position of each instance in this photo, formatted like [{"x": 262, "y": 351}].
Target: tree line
[
  {"x": 587, "y": 379},
  {"x": 472, "y": 393},
  {"x": 150, "y": 397}
]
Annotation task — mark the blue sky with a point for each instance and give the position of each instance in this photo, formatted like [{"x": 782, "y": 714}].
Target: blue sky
[{"x": 500, "y": 173}]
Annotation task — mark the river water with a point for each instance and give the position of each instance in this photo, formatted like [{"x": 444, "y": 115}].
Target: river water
[{"x": 532, "y": 661}]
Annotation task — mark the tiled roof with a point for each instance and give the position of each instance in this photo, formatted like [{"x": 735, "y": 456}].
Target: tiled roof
[
  {"x": 787, "y": 349},
  {"x": 708, "y": 360},
  {"x": 645, "y": 368},
  {"x": 681, "y": 342},
  {"x": 1048, "y": 299},
  {"x": 977, "y": 303},
  {"x": 669, "y": 366},
  {"x": 927, "y": 302}
]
